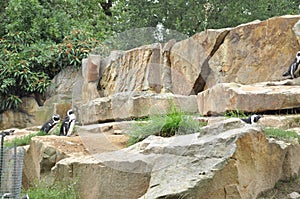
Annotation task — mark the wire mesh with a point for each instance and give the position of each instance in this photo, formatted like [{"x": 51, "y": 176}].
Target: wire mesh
[{"x": 11, "y": 165}]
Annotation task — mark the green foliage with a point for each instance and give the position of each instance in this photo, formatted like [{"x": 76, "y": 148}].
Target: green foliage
[
  {"x": 22, "y": 141},
  {"x": 39, "y": 39},
  {"x": 281, "y": 134},
  {"x": 27, "y": 68},
  {"x": 190, "y": 17},
  {"x": 60, "y": 190},
  {"x": 237, "y": 113},
  {"x": 174, "y": 123}
]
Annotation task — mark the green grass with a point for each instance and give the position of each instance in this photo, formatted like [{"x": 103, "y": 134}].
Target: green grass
[
  {"x": 281, "y": 134},
  {"x": 57, "y": 190},
  {"x": 24, "y": 140},
  {"x": 174, "y": 123},
  {"x": 236, "y": 113}
]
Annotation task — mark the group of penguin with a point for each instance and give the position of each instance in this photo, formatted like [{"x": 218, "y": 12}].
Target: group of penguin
[{"x": 67, "y": 125}]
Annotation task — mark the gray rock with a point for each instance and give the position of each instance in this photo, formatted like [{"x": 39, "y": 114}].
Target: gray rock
[
  {"x": 236, "y": 160},
  {"x": 294, "y": 195}
]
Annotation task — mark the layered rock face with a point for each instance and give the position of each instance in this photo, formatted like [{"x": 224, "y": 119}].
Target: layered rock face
[
  {"x": 260, "y": 97},
  {"x": 127, "y": 105},
  {"x": 250, "y": 53},
  {"x": 225, "y": 159},
  {"x": 210, "y": 73}
]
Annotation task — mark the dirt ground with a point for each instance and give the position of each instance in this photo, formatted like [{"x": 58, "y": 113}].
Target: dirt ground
[{"x": 86, "y": 143}]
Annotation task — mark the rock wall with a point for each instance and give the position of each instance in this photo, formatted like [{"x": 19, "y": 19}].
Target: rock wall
[
  {"x": 254, "y": 98},
  {"x": 250, "y": 53},
  {"x": 227, "y": 158}
]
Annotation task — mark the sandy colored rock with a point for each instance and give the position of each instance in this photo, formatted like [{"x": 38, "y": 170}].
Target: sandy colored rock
[
  {"x": 137, "y": 70},
  {"x": 44, "y": 152},
  {"x": 189, "y": 61},
  {"x": 228, "y": 159},
  {"x": 296, "y": 29},
  {"x": 247, "y": 98},
  {"x": 255, "y": 52},
  {"x": 129, "y": 105}
]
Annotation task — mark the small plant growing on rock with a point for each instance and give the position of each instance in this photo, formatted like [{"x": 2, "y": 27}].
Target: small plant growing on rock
[
  {"x": 174, "y": 123},
  {"x": 24, "y": 140},
  {"x": 42, "y": 189},
  {"x": 281, "y": 134},
  {"x": 235, "y": 113}
]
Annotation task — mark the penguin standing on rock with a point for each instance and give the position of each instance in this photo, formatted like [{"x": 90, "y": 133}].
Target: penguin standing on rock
[
  {"x": 252, "y": 119},
  {"x": 68, "y": 124},
  {"x": 50, "y": 125},
  {"x": 294, "y": 68}
]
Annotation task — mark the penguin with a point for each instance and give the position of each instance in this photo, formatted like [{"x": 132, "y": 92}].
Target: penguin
[
  {"x": 293, "y": 69},
  {"x": 7, "y": 195},
  {"x": 252, "y": 119},
  {"x": 26, "y": 196},
  {"x": 68, "y": 124},
  {"x": 50, "y": 125}
]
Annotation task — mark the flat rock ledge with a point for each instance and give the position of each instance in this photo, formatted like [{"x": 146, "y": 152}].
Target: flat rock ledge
[
  {"x": 227, "y": 158},
  {"x": 260, "y": 97},
  {"x": 127, "y": 105}
]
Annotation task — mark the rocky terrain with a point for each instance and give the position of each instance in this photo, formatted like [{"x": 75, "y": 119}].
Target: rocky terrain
[{"x": 208, "y": 74}]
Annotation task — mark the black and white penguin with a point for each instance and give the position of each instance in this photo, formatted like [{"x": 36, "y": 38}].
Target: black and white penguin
[
  {"x": 68, "y": 124},
  {"x": 252, "y": 119},
  {"x": 26, "y": 196},
  {"x": 50, "y": 125},
  {"x": 294, "y": 69},
  {"x": 7, "y": 195}
]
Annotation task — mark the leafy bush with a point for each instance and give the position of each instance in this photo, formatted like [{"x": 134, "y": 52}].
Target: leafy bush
[
  {"x": 281, "y": 134},
  {"x": 27, "y": 68},
  {"x": 40, "y": 38},
  {"x": 174, "y": 123},
  {"x": 17, "y": 75}
]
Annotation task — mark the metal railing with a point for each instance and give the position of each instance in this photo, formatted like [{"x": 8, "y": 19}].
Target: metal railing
[{"x": 11, "y": 165}]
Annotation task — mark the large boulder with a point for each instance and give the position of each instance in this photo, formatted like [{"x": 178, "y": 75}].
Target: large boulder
[
  {"x": 296, "y": 29},
  {"x": 129, "y": 105},
  {"x": 249, "y": 53},
  {"x": 226, "y": 159},
  {"x": 136, "y": 70},
  {"x": 255, "y": 52},
  {"x": 265, "y": 96},
  {"x": 44, "y": 152},
  {"x": 24, "y": 118},
  {"x": 189, "y": 60}
]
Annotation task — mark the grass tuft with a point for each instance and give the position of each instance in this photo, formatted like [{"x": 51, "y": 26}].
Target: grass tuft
[
  {"x": 24, "y": 140},
  {"x": 281, "y": 134},
  {"x": 236, "y": 113},
  {"x": 174, "y": 123},
  {"x": 57, "y": 190}
]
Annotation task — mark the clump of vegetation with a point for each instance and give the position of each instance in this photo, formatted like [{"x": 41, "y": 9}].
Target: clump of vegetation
[
  {"x": 281, "y": 134},
  {"x": 235, "y": 113},
  {"x": 24, "y": 140},
  {"x": 174, "y": 123},
  {"x": 57, "y": 190}
]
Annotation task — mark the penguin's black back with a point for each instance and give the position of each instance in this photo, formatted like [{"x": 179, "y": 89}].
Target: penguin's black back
[{"x": 48, "y": 126}]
